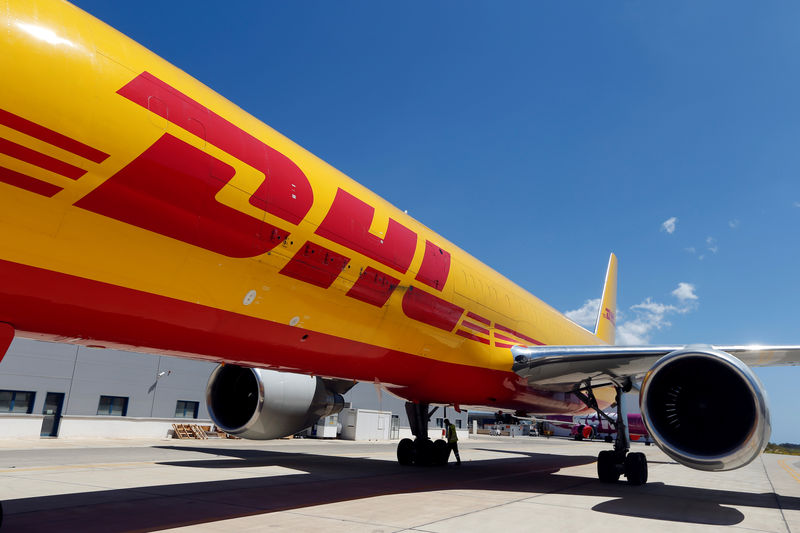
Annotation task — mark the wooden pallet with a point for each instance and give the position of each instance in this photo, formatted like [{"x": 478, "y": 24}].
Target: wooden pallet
[{"x": 189, "y": 431}]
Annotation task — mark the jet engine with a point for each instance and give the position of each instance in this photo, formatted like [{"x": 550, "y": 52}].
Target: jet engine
[
  {"x": 254, "y": 403},
  {"x": 706, "y": 409}
]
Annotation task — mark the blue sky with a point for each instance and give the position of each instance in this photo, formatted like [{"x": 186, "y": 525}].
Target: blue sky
[{"x": 541, "y": 136}]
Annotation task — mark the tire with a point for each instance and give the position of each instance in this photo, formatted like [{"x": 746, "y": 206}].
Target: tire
[
  {"x": 609, "y": 439},
  {"x": 441, "y": 452},
  {"x": 636, "y": 468},
  {"x": 607, "y": 470},
  {"x": 405, "y": 452},
  {"x": 423, "y": 450}
]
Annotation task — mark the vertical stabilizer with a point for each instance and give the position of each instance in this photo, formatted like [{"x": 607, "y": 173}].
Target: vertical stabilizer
[{"x": 606, "y": 324}]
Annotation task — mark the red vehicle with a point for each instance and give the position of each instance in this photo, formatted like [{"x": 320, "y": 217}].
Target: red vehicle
[{"x": 589, "y": 427}]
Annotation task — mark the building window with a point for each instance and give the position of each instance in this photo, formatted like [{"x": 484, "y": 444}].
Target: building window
[
  {"x": 458, "y": 423},
  {"x": 16, "y": 401},
  {"x": 113, "y": 406},
  {"x": 186, "y": 409},
  {"x": 440, "y": 422}
]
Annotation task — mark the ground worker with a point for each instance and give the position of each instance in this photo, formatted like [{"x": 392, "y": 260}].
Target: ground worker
[{"x": 452, "y": 441}]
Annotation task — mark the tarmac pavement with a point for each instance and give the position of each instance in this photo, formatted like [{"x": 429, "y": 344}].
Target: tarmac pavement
[{"x": 505, "y": 484}]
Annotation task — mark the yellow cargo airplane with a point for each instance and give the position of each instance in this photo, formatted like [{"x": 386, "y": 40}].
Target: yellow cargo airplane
[{"x": 140, "y": 210}]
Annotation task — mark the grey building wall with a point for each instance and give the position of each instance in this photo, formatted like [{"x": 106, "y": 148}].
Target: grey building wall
[
  {"x": 41, "y": 367},
  {"x": 367, "y": 396},
  {"x": 85, "y": 374}
]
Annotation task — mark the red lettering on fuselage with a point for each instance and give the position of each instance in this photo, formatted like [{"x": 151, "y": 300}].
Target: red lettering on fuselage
[
  {"x": 286, "y": 191},
  {"x": 373, "y": 287},
  {"x": 316, "y": 265},
  {"x": 169, "y": 190},
  {"x": 435, "y": 266},
  {"x": 347, "y": 223}
]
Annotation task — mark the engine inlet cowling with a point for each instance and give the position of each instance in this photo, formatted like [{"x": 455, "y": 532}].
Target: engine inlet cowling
[
  {"x": 706, "y": 409},
  {"x": 254, "y": 403}
]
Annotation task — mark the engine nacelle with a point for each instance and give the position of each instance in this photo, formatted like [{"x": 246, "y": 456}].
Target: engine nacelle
[
  {"x": 706, "y": 409},
  {"x": 254, "y": 403}
]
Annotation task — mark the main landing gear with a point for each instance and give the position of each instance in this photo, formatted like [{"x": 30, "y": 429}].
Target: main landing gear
[
  {"x": 421, "y": 451},
  {"x": 611, "y": 464}
]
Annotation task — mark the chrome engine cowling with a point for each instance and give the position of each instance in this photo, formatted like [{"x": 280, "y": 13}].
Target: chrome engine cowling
[
  {"x": 706, "y": 409},
  {"x": 254, "y": 403}
]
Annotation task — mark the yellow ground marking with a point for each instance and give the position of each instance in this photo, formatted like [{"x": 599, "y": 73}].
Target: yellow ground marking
[{"x": 789, "y": 469}]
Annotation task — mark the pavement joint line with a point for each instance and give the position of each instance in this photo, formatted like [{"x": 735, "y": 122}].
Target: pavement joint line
[
  {"x": 100, "y": 488},
  {"x": 503, "y": 504},
  {"x": 789, "y": 469},
  {"x": 338, "y": 519},
  {"x": 73, "y": 467},
  {"x": 775, "y": 494}
]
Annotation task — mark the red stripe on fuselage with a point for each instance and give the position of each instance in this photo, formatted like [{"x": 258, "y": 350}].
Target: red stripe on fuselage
[
  {"x": 51, "y": 137},
  {"x": 17, "y": 151},
  {"x": 475, "y": 327},
  {"x": 517, "y": 334},
  {"x": 504, "y": 345},
  {"x": 61, "y": 307},
  {"x": 430, "y": 309},
  {"x": 29, "y": 183},
  {"x": 470, "y": 336},
  {"x": 479, "y": 318}
]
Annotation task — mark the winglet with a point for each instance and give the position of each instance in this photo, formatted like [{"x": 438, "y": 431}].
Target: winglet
[{"x": 606, "y": 324}]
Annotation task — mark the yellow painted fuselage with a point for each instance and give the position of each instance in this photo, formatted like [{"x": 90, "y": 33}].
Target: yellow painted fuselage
[{"x": 141, "y": 210}]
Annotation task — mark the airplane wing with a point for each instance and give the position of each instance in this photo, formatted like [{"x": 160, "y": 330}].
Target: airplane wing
[{"x": 564, "y": 368}]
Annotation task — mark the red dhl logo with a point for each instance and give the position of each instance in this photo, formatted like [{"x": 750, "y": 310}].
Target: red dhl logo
[
  {"x": 171, "y": 189},
  {"x": 610, "y": 316}
]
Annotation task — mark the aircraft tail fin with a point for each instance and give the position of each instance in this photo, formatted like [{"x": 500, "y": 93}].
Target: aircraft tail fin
[{"x": 606, "y": 325}]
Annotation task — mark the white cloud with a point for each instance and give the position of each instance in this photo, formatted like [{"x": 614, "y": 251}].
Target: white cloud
[
  {"x": 669, "y": 225},
  {"x": 586, "y": 315},
  {"x": 684, "y": 292},
  {"x": 638, "y": 324},
  {"x": 690, "y": 249},
  {"x": 797, "y": 204},
  {"x": 712, "y": 245},
  {"x": 648, "y": 317},
  {"x": 733, "y": 224}
]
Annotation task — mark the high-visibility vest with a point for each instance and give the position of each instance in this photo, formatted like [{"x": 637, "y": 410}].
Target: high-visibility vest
[{"x": 451, "y": 434}]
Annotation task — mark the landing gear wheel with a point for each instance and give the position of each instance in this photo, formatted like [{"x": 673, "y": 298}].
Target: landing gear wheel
[
  {"x": 440, "y": 452},
  {"x": 607, "y": 469},
  {"x": 423, "y": 449},
  {"x": 405, "y": 452},
  {"x": 636, "y": 468}
]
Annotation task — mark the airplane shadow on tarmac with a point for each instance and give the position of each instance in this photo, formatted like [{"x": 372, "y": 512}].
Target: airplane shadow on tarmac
[{"x": 304, "y": 480}]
